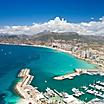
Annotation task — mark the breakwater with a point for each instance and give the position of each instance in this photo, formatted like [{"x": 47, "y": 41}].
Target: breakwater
[{"x": 78, "y": 72}]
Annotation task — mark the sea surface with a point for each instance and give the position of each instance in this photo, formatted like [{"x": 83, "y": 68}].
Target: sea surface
[{"x": 45, "y": 63}]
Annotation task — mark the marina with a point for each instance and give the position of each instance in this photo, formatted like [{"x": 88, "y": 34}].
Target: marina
[
  {"x": 94, "y": 89},
  {"x": 27, "y": 91}
]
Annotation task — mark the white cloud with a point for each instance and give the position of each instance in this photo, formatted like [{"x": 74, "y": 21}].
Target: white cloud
[
  {"x": 92, "y": 18},
  {"x": 58, "y": 25}
]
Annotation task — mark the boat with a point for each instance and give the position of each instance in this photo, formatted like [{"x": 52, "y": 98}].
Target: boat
[
  {"x": 84, "y": 87},
  {"x": 45, "y": 81},
  {"x": 77, "y": 92}
]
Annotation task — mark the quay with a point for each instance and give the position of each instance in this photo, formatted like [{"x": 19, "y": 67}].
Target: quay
[
  {"x": 27, "y": 91},
  {"x": 78, "y": 72}
]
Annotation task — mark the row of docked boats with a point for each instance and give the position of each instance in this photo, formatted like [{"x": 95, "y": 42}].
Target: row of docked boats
[
  {"x": 98, "y": 85},
  {"x": 101, "y": 83},
  {"x": 95, "y": 93},
  {"x": 77, "y": 92},
  {"x": 96, "y": 89}
]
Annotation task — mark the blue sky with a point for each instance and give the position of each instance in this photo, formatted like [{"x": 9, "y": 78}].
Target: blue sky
[{"x": 25, "y": 12}]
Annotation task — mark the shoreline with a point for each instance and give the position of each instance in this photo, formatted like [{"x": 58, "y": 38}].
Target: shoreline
[
  {"x": 21, "y": 100},
  {"x": 60, "y": 50},
  {"x": 57, "y": 49}
]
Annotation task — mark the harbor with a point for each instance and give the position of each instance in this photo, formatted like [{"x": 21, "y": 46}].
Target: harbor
[
  {"x": 46, "y": 80},
  {"x": 30, "y": 94}
]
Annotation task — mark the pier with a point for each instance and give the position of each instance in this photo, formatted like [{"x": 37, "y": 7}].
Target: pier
[
  {"x": 27, "y": 91},
  {"x": 78, "y": 72}
]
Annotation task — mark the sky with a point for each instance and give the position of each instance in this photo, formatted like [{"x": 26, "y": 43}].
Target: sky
[
  {"x": 25, "y": 12},
  {"x": 29, "y": 17}
]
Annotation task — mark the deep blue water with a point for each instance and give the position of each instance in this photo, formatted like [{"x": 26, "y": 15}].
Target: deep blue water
[{"x": 44, "y": 63}]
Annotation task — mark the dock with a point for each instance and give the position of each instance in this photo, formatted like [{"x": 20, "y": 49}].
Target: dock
[
  {"x": 78, "y": 72},
  {"x": 25, "y": 90}
]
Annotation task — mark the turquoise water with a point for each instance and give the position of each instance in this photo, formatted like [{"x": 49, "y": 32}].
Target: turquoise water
[{"x": 44, "y": 63}]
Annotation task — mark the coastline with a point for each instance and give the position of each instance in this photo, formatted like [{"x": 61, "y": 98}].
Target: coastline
[
  {"x": 21, "y": 100},
  {"x": 60, "y": 50}
]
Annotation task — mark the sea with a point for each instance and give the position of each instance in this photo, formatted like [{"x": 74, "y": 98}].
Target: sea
[{"x": 45, "y": 64}]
